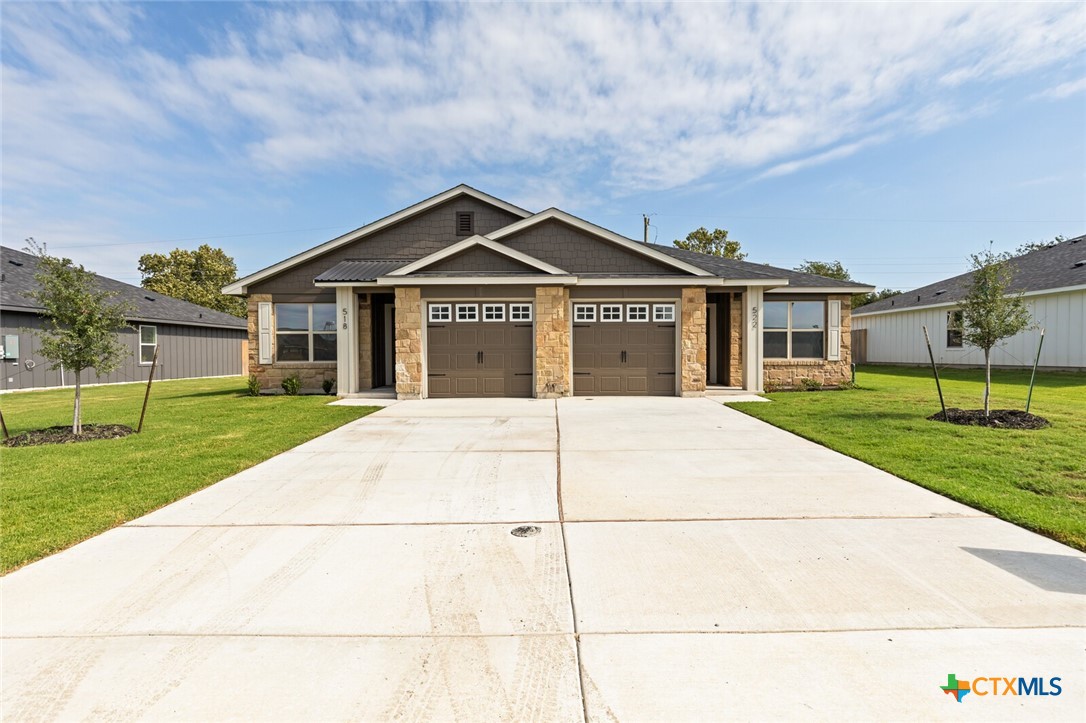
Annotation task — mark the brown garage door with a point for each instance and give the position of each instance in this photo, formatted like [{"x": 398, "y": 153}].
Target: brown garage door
[
  {"x": 624, "y": 349},
  {"x": 479, "y": 349}
]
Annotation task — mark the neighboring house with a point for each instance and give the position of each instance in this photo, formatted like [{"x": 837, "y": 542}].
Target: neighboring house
[
  {"x": 193, "y": 341},
  {"x": 1053, "y": 282},
  {"x": 466, "y": 295}
]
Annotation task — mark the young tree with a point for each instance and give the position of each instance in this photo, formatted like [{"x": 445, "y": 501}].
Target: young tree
[
  {"x": 1038, "y": 245},
  {"x": 80, "y": 322},
  {"x": 197, "y": 276},
  {"x": 715, "y": 242},
  {"x": 989, "y": 313}
]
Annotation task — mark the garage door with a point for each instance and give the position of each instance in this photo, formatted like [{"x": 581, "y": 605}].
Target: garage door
[
  {"x": 624, "y": 348},
  {"x": 479, "y": 349}
]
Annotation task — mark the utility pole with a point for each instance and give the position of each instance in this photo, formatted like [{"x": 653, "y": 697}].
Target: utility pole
[{"x": 646, "y": 218}]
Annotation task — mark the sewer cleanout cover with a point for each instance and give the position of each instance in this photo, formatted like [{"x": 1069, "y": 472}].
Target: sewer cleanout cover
[{"x": 525, "y": 531}]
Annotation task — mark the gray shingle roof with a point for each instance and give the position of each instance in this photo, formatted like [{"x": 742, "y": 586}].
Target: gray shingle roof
[
  {"x": 1051, "y": 268},
  {"x": 733, "y": 269},
  {"x": 360, "y": 270},
  {"x": 18, "y": 271}
]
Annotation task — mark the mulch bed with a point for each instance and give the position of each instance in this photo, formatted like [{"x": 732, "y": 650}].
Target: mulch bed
[
  {"x": 63, "y": 435},
  {"x": 999, "y": 418}
]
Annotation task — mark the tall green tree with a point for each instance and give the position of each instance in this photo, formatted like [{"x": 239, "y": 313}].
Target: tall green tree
[
  {"x": 991, "y": 314},
  {"x": 197, "y": 276},
  {"x": 715, "y": 243},
  {"x": 836, "y": 270},
  {"x": 80, "y": 321}
]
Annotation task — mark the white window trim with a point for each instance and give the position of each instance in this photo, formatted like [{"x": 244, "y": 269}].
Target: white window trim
[
  {"x": 440, "y": 312},
  {"x": 606, "y": 309},
  {"x": 668, "y": 315},
  {"x": 643, "y": 308},
  {"x": 488, "y": 308},
  {"x": 515, "y": 309},
  {"x": 464, "y": 307},
  {"x": 142, "y": 344},
  {"x": 589, "y": 312},
  {"x": 310, "y": 332},
  {"x": 946, "y": 341},
  {"x": 788, "y": 333}
]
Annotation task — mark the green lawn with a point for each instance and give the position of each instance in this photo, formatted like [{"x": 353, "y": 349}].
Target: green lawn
[
  {"x": 1036, "y": 479},
  {"x": 197, "y": 432}
]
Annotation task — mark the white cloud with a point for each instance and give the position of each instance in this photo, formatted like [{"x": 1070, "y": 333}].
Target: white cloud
[
  {"x": 1061, "y": 91},
  {"x": 640, "y": 96}
]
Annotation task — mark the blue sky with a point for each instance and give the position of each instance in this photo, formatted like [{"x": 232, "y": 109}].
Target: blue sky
[{"x": 897, "y": 138}]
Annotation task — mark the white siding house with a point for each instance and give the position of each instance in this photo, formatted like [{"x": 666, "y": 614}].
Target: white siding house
[{"x": 1053, "y": 282}]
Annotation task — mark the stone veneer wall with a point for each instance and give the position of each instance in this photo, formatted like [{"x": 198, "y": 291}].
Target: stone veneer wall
[
  {"x": 694, "y": 341},
  {"x": 735, "y": 343},
  {"x": 788, "y": 374},
  {"x": 365, "y": 342},
  {"x": 552, "y": 342},
  {"x": 408, "y": 342},
  {"x": 271, "y": 376}
]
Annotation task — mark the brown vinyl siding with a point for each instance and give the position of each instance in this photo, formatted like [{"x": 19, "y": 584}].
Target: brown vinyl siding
[
  {"x": 184, "y": 352},
  {"x": 574, "y": 251},
  {"x": 479, "y": 259},
  {"x": 412, "y": 238}
]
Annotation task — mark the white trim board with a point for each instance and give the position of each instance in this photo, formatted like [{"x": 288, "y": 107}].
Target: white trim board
[
  {"x": 475, "y": 280},
  {"x": 593, "y": 229},
  {"x": 823, "y": 290},
  {"x": 240, "y": 287}
]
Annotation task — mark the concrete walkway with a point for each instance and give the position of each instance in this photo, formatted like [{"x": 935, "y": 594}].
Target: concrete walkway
[{"x": 689, "y": 563}]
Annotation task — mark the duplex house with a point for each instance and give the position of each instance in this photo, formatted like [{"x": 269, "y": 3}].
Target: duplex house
[
  {"x": 1052, "y": 282},
  {"x": 467, "y": 295}
]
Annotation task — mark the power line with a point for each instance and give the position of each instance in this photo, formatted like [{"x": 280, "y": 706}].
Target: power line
[{"x": 204, "y": 238}]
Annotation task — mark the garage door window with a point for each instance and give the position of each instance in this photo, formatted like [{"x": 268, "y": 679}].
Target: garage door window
[
  {"x": 584, "y": 312},
  {"x": 637, "y": 312},
  {"x": 305, "y": 332},
  {"x": 520, "y": 312},
  {"x": 795, "y": 330},
  {"x": 611, "y": 312},
  {"x": 663, "y": 312},
  {"x": 440, "y": 312},
  {"x": 467, "y": 312},
  {"x": 493, "y": 312}
]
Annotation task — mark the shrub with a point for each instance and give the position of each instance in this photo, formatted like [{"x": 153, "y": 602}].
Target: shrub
[
  {"x": 770, "y": 387},
  {"x": 254, "y": 386},
  {"x": 810, "y": 385},
  {"x": 327, "y": 385},
  {"x": 292, "y": 385}
]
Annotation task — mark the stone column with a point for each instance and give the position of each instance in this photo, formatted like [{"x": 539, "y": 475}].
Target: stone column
[
  {"x": 552, "y": 342},
  {"x": 735, "y": 343},
  {"x": 408, "y": 343},
  {"x": 694, "y": 343},
  {"x": 260, "y": 371},
  {"x": 365, "y": 341}
]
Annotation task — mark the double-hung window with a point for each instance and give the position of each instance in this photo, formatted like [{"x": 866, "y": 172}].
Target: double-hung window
[
  {"x": 305, "y": 332},
  {"x": 148, "y": 342},
  {"x": 955, "y": 326},
  {"x": 794, "y": 329}
]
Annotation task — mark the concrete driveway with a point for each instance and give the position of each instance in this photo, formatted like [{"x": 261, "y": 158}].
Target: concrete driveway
[{"x": 690, "y": 563}]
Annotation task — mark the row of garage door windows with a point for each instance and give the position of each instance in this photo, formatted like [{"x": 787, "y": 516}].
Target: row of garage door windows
[{"x": 663, "y": 313}]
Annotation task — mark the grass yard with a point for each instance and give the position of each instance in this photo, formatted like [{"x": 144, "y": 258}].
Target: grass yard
[
  {"x": 197, "y": 432},
  {"x": 1036, "y": 479}
]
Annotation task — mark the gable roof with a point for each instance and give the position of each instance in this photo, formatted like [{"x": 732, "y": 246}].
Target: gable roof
[
  {"x": 649, "y": 251},
  {"x": 477, "y": 242},
  {"x": 1058, "y": 267},
  {"x": 241, "y": 285},
  {"x": 735, "y": 269},
  {"x": 18, "y": 269}
]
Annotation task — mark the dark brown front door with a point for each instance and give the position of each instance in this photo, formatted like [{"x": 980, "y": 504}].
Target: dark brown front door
[
  {"x": 479, "y": 359},
  {"x": 622, "y": 357}
]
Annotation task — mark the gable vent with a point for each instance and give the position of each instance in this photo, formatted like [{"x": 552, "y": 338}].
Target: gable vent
[{"x": 465, "y": 223}]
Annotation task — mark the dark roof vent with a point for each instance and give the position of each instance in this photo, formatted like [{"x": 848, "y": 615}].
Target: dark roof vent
[
  {"x": 940, "y": 292},
  {"x": 149, "y": 298},
  {"x": 1079, "y": 264},
  {"x": 16, "y": 263},
  {"x": 465, "y": 223}
]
